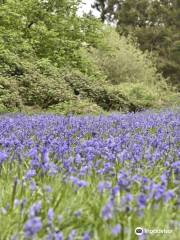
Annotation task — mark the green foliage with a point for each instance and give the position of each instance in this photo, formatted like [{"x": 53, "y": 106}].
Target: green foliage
[
  {"x": 46, "y": 29},
  {"x": 155, "y": 24},
  {"x": 38, "y": 89},
  {"x": 140, "y": 96},
  {"x": 97, "y": 90},
  {"x": 122, "y": 61},
  {"x": 51, "y": 59},
  {"x": 9, "y": 95},
  {"x": 77, "y": 106}
]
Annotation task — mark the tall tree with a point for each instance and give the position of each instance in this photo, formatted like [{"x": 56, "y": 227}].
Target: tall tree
[
  {"x": 48, "y": 29},
  {"x": 155, "y": 23}
]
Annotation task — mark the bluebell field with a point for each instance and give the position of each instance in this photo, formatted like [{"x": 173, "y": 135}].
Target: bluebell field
[{"x": 89, "y": 177}]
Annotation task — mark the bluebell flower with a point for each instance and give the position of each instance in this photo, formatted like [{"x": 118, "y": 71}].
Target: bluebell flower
[
  {"x": 115, "y": 191},
  {"x": 50, "y": 215},
  {"x": 168, "y": 195},
  {"x": 45, "y": 155},
  {"x": 32, "y": 186},
  {"x": 107, "y": 211},
  {"x": 175, "y": 164},
  {"x": 33, "y": 153},
  {"x": 30, "y": 173},
  {"x": 141, "y": 200},
  {"x": 82, "y": 183},
  {"x": 72, "y": 235},
  {"x": 35, "y": 209},
  {"x": 160, "y": 189},
  {"x": 32, "y": 226},
  {"x": 127, "y": 198},
  {"x": 3, "y": 157},
  {"x": 86, "y": 236},
  {"x": 104, "y": 185},
  {"x": 123, "y": 180},
  {"x": 58, "y": 236},
  {"x": 164, "y": 179},
  {"x": 77, "y": 213},
  {"x": 116, "y": 229},
  {"x": 47, "y": 188},
  {"x": 78, "y": 183}
]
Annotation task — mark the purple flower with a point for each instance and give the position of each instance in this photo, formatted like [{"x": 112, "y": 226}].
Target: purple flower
[
  {"x": 52, "y": 169},
  {"x": 47, "y": 188},
  {"x": 32, "y": 226},
  {"x": 107, "y": 211},
  {"x": 72, "y": 235},
  {"x": 55, "y": 236},
  {"x": 104, "y": 185},
  {"x": 82, "y": 183},
  {"x": 168, "y": 196},
  {"x": 116, "y": 229},
  {"x": 74, "y": 180},
  {"x": 164, "y": 179},
  {"x": 115, "y": 191},
  {"x": 123, "y": 180},
  {"x": 77, "y": 213},
  {"x": 3, "y": 157},
  {"x": 32, "y": 186},
  {"x": 35, "y": 209},
  {"x": 50, "y": 215},
  {"x": 127, "y": 198},
  {"x": 33, "y": 153},
  {"x": 58, "y": 236},
  {"x": 159, "y": 192},
  {"x": 45, "y": 155},
  {"x": 175, "y": 164},
  {"x": 78, "y": 183},
  {"x": 86, "y": 236},
  {"x": 30, "y": 173},
  {"x": 141, "y": 200},
  {"x": 78, "y": 159}
]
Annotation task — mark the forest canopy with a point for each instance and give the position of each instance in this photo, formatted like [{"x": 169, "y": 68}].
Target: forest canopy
[
  {"x": 154, "y": 23},
  {"x": 53, "y": 60}
]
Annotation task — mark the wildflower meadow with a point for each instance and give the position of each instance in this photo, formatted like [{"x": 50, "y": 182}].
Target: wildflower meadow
[{"x": 90, "y": 177}]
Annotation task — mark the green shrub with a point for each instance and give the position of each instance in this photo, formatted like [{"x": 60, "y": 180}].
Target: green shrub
[
  {"x": 41, "y": 90},
  {"x": 77, "y": 106},
  {"x": 3, "y": 109},
  {"x": 103, "y": 94},
  {"x": 121, "y": 60},
  {"x": 83, "y": 85},
  {"x": 9, "y": 95}
]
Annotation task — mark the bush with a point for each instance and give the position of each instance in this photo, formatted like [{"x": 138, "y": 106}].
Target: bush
[
  {"x": 121, "y": 60},
  {"x": 85, "y": 86},
  {"x": 3, "y": 109},
  {"x": 77, "y": 106},
  {"x": 38, "y": 89},
  {"x": 97, "y": 90},
  {"x": 9, "y": 95}
]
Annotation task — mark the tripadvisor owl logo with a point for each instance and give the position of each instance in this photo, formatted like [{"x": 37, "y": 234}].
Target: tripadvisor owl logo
[{"x": 139, "y": 231}]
